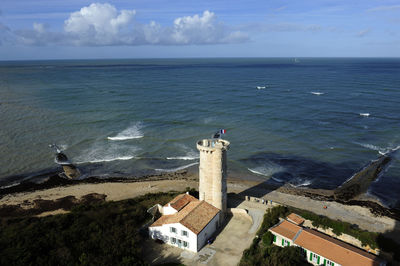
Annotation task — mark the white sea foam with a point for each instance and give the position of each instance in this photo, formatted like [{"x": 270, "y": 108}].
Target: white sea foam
[
  {"x": 267, "y": 170},
  {"x": 317, "y": 93},
  {"x": 380, "y": 150},
  {"x": 110, "y": 159},
  {"x": 188, "y": 158},
  {"x": 190, "y": 154},
  {"x": 365, "y": 114},
  {"x": 132, "y": 132},
  {"x": 11, "y": 185},
  {"x": 300, "y": 182},
  {"x": 175, "y": 169},
  {"x": 107, "y": 152},
  {"x": 277, "y": 180}
]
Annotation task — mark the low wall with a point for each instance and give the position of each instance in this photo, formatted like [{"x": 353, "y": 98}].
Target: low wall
[
  {"x": 263, "y": 201},
  {"x": 344, "y": 237},
  {"x": 239, "y": 212}
]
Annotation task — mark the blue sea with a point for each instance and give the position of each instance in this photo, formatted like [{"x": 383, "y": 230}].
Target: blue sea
[{"x": 309, "y": 122}]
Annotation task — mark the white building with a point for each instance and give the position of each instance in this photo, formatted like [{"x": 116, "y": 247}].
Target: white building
[
  {"x": 319, "y": 248},
  {"x": 186, "y": 223}
]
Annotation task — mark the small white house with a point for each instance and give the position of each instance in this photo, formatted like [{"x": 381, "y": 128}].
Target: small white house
[{"x": 186, "y": 223}]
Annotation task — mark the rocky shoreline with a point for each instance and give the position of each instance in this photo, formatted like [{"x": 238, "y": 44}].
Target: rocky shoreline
[{"x": 55, "y": 180}]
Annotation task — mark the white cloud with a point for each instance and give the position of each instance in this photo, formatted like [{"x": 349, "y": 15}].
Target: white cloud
[
  {"x": 280, "y": 8},
  {"x": 363, "y": 33},
  {"x": 98, "y": 24},
  {"x": 102, "y": 24},
  {"x": 39, "y": 27},
  {"x": 281, "y": 27},
  {"x": 384, "y": 8},
  {"x": 197, "y": 29}
]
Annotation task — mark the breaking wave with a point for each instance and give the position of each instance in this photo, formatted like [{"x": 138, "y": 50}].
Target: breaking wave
[
  {"x": 132, "y": 132},
  {"x": 175, "y": 169},
  {"x": 277, "y": 180},
  {"x": 365, "y": 114},
  {"x": 188, "y": 158},
  {"x": 267, "y": 170},
  {"x": 380, "y": 150},
  {"x": 300, "y": 182},
  {"x": 107, "y": 153},
  {"x": 109, "y": 159},
  {"x": 190, "y": 154},
  {"x": 317, "y": 93},
  {"x": 10, "y": 185}
]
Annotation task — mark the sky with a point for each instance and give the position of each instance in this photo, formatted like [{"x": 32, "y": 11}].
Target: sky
[{"x": 80, "y": 29}]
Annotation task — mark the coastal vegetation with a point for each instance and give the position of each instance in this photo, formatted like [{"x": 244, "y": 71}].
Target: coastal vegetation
[
  {"x": 263, "y": 252},
  {"x": 372, "y": 239},
  {"x": 102, "y": 233}
]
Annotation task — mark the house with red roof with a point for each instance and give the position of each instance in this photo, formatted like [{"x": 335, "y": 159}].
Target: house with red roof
[
  {"x": 320, "y": 249},
  {"x": 186, "y": 223}
]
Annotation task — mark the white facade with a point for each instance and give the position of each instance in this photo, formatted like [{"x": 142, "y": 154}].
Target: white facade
[
  {"x": 282, "y": 241},
  {"x": 167, "y": 210},
  {"x": 178, "y": 235},
  {"x": 208, "y": 231},
  {"x": 312, "y": 257}
]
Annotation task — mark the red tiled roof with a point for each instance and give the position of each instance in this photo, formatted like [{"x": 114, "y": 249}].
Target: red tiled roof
[
  {"x": 181, "y": 201},
  {"x": 333, "y": 249},
  {"x": 199, "y": 217},
  {"x": 294, "y": 218},
  {"x": 195, "y": 214},
  {"x": 286, "y": 229}
]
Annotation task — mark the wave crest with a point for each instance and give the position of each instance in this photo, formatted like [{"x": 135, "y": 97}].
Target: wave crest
[
  {"x": 132, "y": 132},
  {"x": 267, "y": 170},
  {"x": 317, "y": 93},
  {"x": 176, "y": 169}
]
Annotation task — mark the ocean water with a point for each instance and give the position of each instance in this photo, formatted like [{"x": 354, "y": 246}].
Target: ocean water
[{"x": 309, "y": 122}]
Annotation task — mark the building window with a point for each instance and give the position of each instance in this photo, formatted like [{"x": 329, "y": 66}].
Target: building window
[
  {"x": 173, "y": 240},
  {"x": 172, "y": 230},
  {"x": 274, "y": 238},
  {"x": 185, "y": 244},
  {"x": 184, "y": 233},
  {"x": 314, "y": 258},
  {"x": 304, "y": 251},
  {"x": 285, "y": 243},
  {"x": 329, "y": 263}
]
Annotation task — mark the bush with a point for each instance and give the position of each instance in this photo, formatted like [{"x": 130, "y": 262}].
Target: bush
[
  {"x": 339, "y": 227},
  {"x": 99, "y": 234},
  {"x": 267, "y": 254},
  {"x": 267, "y": 238},
  {"x": 285, "y": 257}
]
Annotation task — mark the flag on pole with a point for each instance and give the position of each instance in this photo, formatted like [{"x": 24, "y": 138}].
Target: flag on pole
[{"x": 219, "y": 133}]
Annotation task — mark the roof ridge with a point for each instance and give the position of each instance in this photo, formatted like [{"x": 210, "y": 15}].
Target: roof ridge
[
  {"x": 297, "y": 235},
  {"x": 340, "y": 245},
  {"x": 200, "y": 202}
]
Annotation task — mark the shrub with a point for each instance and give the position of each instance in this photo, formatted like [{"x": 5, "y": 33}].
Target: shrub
[
  {"x": 93, "y": 234},
  {"x": 267, "y": 238}
]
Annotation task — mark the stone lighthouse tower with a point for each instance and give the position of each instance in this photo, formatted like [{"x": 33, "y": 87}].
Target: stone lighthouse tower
[{"x": 212, "y": 172}]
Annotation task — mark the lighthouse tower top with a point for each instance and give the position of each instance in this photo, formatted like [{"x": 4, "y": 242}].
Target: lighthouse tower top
[{"x": 210, "y": 145}]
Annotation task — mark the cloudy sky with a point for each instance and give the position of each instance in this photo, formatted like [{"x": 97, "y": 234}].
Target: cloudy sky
[{"x": 56, "y": 29}]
